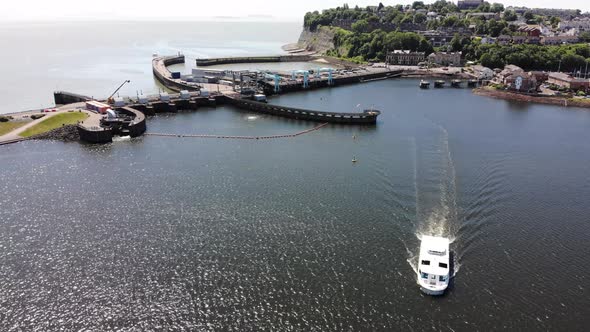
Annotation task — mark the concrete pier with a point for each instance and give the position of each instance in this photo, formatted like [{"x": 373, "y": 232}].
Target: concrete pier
[
  {"x": 63, "y": 98},
  {"x": 361, "y": 76}
]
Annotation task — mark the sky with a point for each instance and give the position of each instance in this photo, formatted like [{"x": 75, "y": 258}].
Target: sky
[{"x": 292, "y": 10}]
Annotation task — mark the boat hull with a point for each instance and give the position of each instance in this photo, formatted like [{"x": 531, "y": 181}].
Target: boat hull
[{"x": 434, "y": 292}]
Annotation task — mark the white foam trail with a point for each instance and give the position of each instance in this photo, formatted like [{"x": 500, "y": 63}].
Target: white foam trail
[
  {"x": 413, "y": 140},
  {"x": 440, "y": 219},
  {"x": 121, "y": 138}
]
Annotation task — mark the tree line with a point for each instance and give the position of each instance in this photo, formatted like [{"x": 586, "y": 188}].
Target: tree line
[
  {"x": 364, "y": 45},
  {"x": 568, "y": 58},
  {"x": 373, "y": 46}
]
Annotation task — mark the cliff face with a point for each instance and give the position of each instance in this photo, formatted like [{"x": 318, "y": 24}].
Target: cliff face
[{"x": 319, "y": 41}]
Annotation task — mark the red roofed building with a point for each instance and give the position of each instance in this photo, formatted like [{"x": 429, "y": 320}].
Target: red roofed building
[{"x": 530, "y": 30}]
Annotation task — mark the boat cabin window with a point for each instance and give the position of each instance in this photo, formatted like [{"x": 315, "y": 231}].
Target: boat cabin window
[
  {"x": 425, "y": 262},
  {"x": 444, "y": 265},
  {"x": 442, "y": 278},
  {"x": 424, "y": 275},
  {"x": 438, "y": 253}
]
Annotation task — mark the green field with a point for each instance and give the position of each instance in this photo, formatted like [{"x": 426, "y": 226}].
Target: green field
[
  {"x": 6, "y": 127},
  {"x": 53, "y": 122}
]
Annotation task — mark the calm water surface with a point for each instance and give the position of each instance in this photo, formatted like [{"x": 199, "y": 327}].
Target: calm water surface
[{"x": 190, "y": 234}]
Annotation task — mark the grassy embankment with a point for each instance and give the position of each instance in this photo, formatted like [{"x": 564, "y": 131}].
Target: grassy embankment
[
  {"x": 6, "y": 127},
  {"x": 53, "y": 122}
]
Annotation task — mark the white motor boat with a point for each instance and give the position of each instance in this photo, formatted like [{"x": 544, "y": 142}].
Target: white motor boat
[{"x": 433, "y": 266}]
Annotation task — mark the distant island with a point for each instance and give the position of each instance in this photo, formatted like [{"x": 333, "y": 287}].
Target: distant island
[{"x": 470, "y": 33}]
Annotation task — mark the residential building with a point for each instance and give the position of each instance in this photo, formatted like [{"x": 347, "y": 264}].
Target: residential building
[
  {"x": 488, "y": 40},
  {"x": 521, "y": 82},
  {"x": 486, "y": 16},
  {"x": 459, "y": 15},
  {"x": 517, "y": 10},
  {"x": 446, "y": 58},
  {"x": 559, "y": 40},
  {"x": 545, "y": 31},
  {"x": 564, "y": 14},
  {"x": 405, "y": 57},
  {"x": 504, "y": 39},
  {"x": 568, "y": 82},
  {"x": 530, "y": 30},
  {"x": 482, "y": 73},
  {"x": 469, "y": 4},
  {"x": 454, "y": 30},
  {"x": 509, "y": 70},
  {"x": 519, "y": 39},
  {"x": 582, "y": 24},
  {"x": 540, "y": 76},
  {"x": 431, "y": 16},
  {"x": 438, "y": 38},
  {"x": 387, "y": 26}
]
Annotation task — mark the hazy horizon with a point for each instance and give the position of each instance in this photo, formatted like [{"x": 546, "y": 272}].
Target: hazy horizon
[{"x": 70, "y": 10}]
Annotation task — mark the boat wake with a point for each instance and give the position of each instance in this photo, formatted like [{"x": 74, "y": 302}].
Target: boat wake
[
  {"x": 121, "y": 138},
  {"x": 436, "y": 193}
]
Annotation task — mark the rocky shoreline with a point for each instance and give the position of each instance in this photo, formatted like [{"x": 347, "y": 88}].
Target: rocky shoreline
[
  {"x": 67, "y": 133},
  {"x": 531, "y": 98}
]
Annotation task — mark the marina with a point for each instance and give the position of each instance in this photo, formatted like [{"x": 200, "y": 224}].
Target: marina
[
  {"x": 128, "y": 117},
  {"x": 456, "y": 83}
]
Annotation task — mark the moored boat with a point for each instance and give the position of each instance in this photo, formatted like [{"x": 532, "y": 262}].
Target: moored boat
[
  {"x": 456, "y": 83},
  {"x": 433, "y": 265},
  {"x": 424, "y": 84},
  {"x": 439, "y": 83}
]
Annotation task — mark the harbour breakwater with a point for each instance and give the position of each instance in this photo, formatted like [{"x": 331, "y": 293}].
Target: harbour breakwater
[
  {"x": 231, "y": 97},
  {"x": 164, "y": 76},
  {"x": 253, "y": 59},
  {"x": 64, "y": 98},
  {"x": 366, "y": 117}
]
